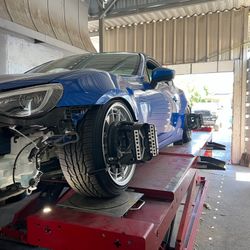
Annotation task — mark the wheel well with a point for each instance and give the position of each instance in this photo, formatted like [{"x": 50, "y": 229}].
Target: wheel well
[{"x": 127, "y": 104}]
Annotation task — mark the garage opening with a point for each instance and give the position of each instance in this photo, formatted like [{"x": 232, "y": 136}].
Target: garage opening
[{"x": 211, "y": 95}]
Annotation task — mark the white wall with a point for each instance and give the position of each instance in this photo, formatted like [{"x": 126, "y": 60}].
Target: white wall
[
  {"x": 3, "y": 53},
  {"x": 19, "y": 53},
  {"x": 95, "y": 41}
]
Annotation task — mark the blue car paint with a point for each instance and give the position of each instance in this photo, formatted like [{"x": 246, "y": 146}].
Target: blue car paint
[
  {"x": 78, "y": 87},
  {"x": 10, "y": 82},
  {"x": 174, "y": 119},
  {"x": 95, "y": 87},
  {"x": 160, "y": 74}
]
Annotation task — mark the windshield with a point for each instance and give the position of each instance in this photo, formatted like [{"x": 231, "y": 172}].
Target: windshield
[{"x": 120, "y": 64}]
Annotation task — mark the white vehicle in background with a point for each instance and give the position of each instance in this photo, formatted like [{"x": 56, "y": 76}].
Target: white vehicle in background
[
  {"x": 210, "y": 113},
  {"x": 209, "y": 118}
]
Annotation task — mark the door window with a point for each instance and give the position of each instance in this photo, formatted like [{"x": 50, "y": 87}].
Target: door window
[{"x": 150, "y": 66}]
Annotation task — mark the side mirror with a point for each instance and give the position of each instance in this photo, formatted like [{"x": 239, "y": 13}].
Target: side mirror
[{"x": 162, "y": 74}]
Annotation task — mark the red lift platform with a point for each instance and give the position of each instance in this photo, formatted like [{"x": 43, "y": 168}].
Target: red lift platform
[{"x": 142, "y": 219}]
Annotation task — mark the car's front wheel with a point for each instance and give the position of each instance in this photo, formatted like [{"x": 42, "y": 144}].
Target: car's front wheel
[{"x": 85, "y": 164}]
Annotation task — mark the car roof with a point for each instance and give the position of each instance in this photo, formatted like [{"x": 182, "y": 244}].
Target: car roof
[{"x": 121, "y": 53}]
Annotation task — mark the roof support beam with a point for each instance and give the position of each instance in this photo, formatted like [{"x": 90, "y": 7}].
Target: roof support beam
[
  {"x": 101, "y": 34},
  {"x": 101, "y": 24},
  {"x": 140, "y": 7}
]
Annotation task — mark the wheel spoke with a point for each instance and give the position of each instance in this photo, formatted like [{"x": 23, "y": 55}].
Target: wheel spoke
[
  {"x": 122, "y": 117},
  {"x": 113, "y": 115},
  {"x": 118, "y": 117},
  {"x": 116, "y": 173},
  {"x": 123, "y": 171}
]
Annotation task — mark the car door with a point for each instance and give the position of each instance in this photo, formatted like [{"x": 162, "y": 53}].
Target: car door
[{"x": 158, "y": 104}]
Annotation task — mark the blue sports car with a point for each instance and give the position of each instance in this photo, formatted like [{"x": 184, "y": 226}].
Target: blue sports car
[{"x": 94, "y": 116}]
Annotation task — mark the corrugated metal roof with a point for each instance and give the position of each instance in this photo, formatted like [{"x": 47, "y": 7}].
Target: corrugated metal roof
[
  {"x": 186, "y": 10},
  {"x": 125, "y": 7},
  {"x": 217, "y": 36}
]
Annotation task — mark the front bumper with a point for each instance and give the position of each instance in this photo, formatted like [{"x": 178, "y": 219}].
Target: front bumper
[{"x": 46, "y": 120}]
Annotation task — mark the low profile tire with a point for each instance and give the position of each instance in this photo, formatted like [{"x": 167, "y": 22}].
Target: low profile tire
[
  {"x": 84, "y": 163},
  {"x": 187, "y": 133}
]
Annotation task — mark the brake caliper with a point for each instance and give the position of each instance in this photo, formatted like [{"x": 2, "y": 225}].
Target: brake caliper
[{"x": 130, "y": 143}]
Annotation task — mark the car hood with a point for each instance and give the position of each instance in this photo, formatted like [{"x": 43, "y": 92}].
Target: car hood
[
  {"x": 9, "y": 82},
  {"x": 81, "y": 87}
]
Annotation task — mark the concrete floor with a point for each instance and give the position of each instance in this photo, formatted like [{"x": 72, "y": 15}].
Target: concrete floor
[{"x": 227, "y": 225}]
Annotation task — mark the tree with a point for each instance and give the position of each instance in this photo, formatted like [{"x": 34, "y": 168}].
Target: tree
[{"x": 197, "y": 96}]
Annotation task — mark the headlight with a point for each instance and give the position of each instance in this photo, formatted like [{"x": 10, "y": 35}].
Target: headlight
[{"x": 30, "y": 101}]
